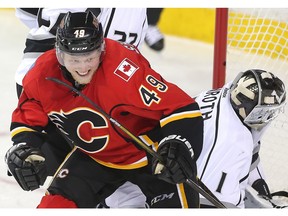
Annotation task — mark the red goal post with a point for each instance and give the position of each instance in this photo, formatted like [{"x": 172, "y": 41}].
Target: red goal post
[
  {"x": 257, "y": 38},
  {"x": 220, "y": 46}
]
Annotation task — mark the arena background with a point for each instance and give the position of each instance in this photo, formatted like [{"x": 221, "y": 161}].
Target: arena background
[{"x": 193, "y": 23}]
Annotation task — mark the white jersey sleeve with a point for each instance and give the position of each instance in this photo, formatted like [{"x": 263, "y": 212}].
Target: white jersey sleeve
[{"x": 27, "y": 16}]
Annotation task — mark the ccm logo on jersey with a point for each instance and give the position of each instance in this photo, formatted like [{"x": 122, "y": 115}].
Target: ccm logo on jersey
[
  {"x": 126, "y": 69},
  {"x": 161, "y": 197}
]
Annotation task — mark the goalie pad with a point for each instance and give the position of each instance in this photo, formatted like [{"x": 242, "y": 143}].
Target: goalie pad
[{"x": 254, "y": 200}]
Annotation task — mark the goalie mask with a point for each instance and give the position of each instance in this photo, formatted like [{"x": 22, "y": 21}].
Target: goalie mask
[{"x": 258, "y": 97}]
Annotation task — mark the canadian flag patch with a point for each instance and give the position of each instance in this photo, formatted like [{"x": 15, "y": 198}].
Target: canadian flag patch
[{"x": 126, "y": 69}]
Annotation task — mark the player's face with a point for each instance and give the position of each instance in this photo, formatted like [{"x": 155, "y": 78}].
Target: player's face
[{"x": 82, "y": 66}]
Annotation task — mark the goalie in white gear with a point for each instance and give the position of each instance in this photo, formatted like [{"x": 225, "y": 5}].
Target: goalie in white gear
[{"x": 235, "y": 118}]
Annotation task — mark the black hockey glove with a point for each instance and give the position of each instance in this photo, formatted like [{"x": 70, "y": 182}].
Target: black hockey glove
[
  {"x": 27, "y": 165},
  {"x": 179, "y": 164},
  {"x": 262, "y": 188}
]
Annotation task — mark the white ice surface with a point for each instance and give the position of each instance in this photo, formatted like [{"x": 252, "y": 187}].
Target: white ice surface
[{"x": 185, "y": 62}]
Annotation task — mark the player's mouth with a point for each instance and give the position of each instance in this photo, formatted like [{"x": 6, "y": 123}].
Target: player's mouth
[{"x": 82, "y": 74}]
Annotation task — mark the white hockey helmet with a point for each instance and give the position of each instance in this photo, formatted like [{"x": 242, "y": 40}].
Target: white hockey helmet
[{"x": 258, "y": 97}]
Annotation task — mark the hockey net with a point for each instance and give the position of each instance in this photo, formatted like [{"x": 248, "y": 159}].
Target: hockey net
[{"x": 258, "y": 38}]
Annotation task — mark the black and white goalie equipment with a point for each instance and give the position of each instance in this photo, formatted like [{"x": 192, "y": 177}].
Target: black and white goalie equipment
[{"x": 258, "y": 97}]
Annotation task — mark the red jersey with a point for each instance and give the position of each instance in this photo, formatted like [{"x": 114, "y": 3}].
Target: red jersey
[{"x": 124, "y": 86}]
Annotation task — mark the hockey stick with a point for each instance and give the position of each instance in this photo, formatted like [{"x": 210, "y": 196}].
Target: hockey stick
[{"x": 204, "y": 192}]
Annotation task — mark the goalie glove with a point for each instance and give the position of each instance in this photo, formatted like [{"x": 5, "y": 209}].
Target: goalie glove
[
  {"x": 262, "y": 188},
  {"x": 27, "y": 165},
  {"x": 178, "y": 164}
]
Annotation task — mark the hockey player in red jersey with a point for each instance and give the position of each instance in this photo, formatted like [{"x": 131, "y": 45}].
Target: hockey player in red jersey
[
  {"x": 122, "y": 24},
  {"x": 117, "y": 78}
]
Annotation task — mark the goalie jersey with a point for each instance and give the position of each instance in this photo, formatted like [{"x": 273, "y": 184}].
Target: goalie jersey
[{"x": 224, "y": 164}]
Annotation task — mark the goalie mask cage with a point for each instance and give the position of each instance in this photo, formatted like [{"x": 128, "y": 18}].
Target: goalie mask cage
[{"x": 257, "y": 39}]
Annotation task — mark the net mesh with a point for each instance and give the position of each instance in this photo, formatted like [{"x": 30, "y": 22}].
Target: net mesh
[{"x": 258, "y": 39}]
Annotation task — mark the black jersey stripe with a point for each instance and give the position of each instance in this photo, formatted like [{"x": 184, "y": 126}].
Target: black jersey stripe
[
  {"x": 39, "y": 45},
  {"x": 216, "y": 135},
  {"x": 109, "y": 22},
  {"x": 32, "y": 11}
]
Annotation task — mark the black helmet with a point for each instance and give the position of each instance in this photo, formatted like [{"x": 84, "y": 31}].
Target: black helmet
[
  {"x": 79, "y": 33},
  {"x": 257, "y": 96}
]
